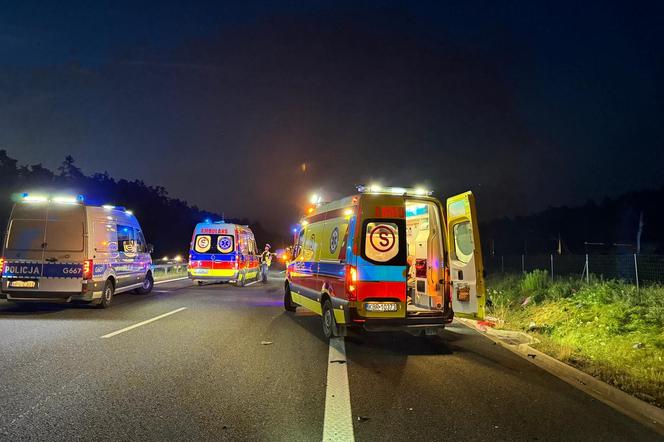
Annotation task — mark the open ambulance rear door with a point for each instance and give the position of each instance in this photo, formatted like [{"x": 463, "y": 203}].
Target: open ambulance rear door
[{"x": 465, "y": 257}]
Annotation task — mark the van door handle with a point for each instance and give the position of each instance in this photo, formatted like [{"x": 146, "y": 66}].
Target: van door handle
[{"x": 51, "y": 259}]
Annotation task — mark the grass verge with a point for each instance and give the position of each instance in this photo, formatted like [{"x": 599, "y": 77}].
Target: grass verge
[{"x": 606, "y": 328}]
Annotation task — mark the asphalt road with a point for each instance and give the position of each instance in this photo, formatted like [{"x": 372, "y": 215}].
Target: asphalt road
[{"x": 232, "y": 365}]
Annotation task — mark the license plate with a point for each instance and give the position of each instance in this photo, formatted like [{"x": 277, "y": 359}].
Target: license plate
[
  {"x": 23, "y": 284},
  {"x": 381, "y": 306}
]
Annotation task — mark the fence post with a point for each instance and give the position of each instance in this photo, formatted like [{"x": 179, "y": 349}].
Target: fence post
[
  {"x": 636, "y": 271},
  {"x": 587, "y": 270},
  {"x": 502, "y": 264},
  {"x": 523, "y": 263},
  {"x": 552, "y": 266}
]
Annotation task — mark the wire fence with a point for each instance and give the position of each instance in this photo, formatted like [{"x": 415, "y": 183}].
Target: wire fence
[{"x": 635, "y": 269}]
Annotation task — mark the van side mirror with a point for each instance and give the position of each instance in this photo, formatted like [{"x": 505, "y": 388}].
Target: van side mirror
[{"x": 150, "y": 248}]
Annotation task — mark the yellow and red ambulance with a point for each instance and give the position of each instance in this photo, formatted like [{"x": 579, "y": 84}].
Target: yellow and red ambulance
[
  {"x": 223, "y": 252},
  {"x": 350, "y": 262}
]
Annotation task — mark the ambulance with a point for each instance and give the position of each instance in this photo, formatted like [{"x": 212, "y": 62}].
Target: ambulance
[
  {"x": 223, "y": 252},
  {"x": 57, "y": 248},
  {"x": 351, "y": 260}
]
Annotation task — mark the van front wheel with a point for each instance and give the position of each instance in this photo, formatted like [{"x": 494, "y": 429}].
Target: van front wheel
[
  {"x": 147, "y": 286},
  {"x": 106, "y": 295},
  {"x": 289, "y": 305}
]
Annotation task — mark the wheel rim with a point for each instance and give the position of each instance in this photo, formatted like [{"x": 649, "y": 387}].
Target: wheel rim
[
  {"x": 108, "y": 294},
  {"x": 146, "y": 284}
]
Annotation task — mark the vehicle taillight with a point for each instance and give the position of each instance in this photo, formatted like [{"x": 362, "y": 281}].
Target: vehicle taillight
[
  {"x": 87, "y": 269},
  {"x": 351, "y": 282},
  {"x": 2, "y": 266}
]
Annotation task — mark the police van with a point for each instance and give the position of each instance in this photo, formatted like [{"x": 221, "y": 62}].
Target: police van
[
  {"x": 223, "y": 252},
  {"x": 60, "y": 249},
  {"x": 388, "y": 259}
]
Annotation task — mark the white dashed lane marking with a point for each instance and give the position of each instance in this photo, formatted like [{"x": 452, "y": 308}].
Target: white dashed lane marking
[
  {"x": 338, "y": 424},
  {"x": 131, "y": 327}
]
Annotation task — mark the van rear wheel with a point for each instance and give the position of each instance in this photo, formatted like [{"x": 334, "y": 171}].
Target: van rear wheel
[
  {"x": 329, "y": 324},
  {"x": 106, "y": 295}
]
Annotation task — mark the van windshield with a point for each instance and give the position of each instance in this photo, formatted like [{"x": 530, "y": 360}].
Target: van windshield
[{"x": 26, "y": 234}]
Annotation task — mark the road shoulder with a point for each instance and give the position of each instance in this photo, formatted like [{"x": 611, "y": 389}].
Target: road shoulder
[{"x": 643, "y": 412}]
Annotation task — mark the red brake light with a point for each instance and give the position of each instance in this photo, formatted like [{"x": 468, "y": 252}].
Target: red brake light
[
  {"x": 88, "y": 267},
  {"x": 351, "y": 282}
]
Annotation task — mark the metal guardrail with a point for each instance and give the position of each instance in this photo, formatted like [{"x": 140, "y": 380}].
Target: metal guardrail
[{"x": 165, "y": 270}]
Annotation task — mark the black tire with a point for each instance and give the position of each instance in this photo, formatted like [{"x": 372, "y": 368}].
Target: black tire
[
  {"x": 199, "y": 282},
  {"x": 148, "y": 285},
  {"x": 329, "y": 324},
  {"x": 289, "y": 305},
  {"x": 107, "y": 295}
]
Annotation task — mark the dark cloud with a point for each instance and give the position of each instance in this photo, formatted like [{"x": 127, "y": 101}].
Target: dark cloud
[{"x": 225, "y": 116}]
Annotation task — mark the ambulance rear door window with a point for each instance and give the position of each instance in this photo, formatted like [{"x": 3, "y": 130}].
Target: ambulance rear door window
[{"x": 384, "y": 241}]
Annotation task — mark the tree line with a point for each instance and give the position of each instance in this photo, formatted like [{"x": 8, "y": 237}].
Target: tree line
[
  {"x": 629, "y": 223},
  {"x": 167, "y": 222}
]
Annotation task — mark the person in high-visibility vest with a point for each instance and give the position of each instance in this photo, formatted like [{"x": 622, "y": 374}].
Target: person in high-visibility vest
[{"x": 266, "y": 261}]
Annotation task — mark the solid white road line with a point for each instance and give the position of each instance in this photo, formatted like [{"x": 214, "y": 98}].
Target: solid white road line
[
  {"x": 131, "y": 327},
  {"x": 338, "y": 424},
  {"x": 251, "y": 283},
  {"x": 170, "y": 280}
]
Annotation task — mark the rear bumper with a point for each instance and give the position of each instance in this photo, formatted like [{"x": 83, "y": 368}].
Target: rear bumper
[
  {"x": 84, "y": 294},
  {"x": 228, "y": 277},
  {"x": 410, "y": 322},
  {"x": 47, "y": 296}
]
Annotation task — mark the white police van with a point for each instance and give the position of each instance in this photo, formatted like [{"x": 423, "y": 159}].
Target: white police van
[{"x": 60, "y": 249}]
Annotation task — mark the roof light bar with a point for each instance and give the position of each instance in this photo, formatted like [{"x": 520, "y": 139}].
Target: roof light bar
[
  {"x": 60, "y": 199},
  {"x": 394, "y": 190},
  {"x": 67, "y": 199},
  {"x": 27, "y": 198}
]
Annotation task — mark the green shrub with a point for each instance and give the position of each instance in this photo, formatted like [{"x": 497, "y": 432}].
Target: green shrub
[{"x": 535, "y": 284}]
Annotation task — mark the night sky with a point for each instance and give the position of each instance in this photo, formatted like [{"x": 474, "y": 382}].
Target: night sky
[{"x": 528, "y": 104}]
